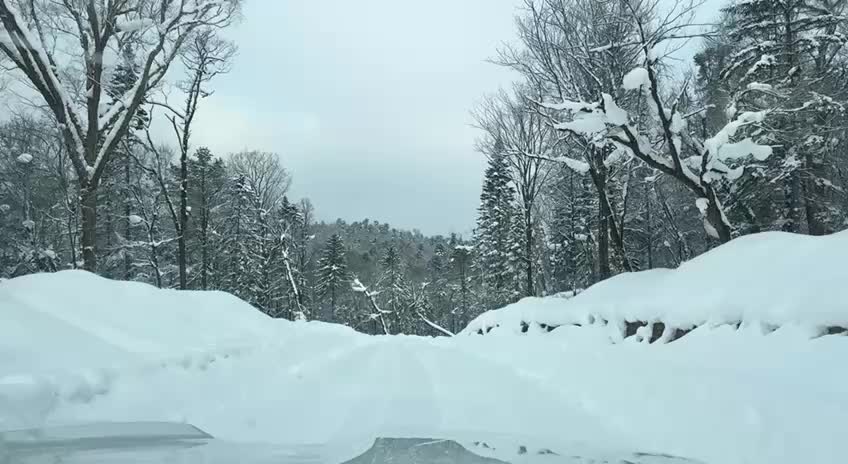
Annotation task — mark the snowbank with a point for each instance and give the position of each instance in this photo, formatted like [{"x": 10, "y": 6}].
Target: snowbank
[
  {"x": 763, "y": 282},
  {"x": 74, "y": 319},
  {"x": 76, "y": 348}
]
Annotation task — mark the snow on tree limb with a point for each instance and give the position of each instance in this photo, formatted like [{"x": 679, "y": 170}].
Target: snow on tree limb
[
  {"x": 435, "y": 326},
  {"x": 636, "y": 79},
  {"x": 164, "y": 25}
]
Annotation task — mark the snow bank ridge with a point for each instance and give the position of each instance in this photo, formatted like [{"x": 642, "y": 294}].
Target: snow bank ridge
[{"x": 761, "y": 283}]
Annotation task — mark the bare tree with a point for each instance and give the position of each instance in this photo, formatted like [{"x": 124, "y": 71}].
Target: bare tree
[
  {"x": 665, "y": 144},
  {"x": 558, "y": 55},
  {"x": 39, "y": 36},
  {"x": 265, "y": 175},
  {"x": 206, "y": 55}
]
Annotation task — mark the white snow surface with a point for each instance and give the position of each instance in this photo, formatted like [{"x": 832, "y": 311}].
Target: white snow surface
[
  {"x": 774, "y": 279},
  {"x": 24, "y": 158},
  {"x": 83, "y": 320},
  {"x": 78, "y": 348},
  {"x": 580, "y": 167},
  {"x": 135, "y": 25},
  {"x": 636, "y": 79}
]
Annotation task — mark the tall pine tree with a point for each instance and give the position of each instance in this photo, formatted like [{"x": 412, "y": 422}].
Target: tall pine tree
[
  {"x": 333, "y": 277},
  {"x": 497, "y": 224}
]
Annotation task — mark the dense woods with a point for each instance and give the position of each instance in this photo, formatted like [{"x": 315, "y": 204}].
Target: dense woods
[{"x": 615, "y": 152}]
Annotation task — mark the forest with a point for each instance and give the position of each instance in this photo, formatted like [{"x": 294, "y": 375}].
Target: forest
[{"x": 637, "y": 137}]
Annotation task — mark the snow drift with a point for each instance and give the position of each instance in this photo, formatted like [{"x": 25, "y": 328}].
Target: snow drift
[
  {"x": 760, "y": 282},
  {"x": 75, "y": 348},
  {"x": 74, "y": 319}
]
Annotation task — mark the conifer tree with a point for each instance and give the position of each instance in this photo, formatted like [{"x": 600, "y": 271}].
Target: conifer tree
[
  {"x": 333, "y": 277},
  {"x": 783, "y": 60},
  {"x": 497, "y": 222}
]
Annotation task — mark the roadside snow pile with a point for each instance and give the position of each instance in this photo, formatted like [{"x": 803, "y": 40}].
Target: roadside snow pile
[
  {"x": 74, "y": 319},
  {"x": 762, "y": 282},
  {"x": 75, "y": 348}
]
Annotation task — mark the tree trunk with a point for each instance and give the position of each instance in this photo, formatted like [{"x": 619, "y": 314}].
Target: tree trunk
[
  {"x": 813, "y": 194},
  {"x": 607, "y": 225},
  {"x": 110, "y": 225},
  {"x": 603, "y": 240},
  {"x": 715, "y": 217},
  {"x": 204, "y": 231},
  {"x": 88, "y": 210},
  {"x": 127, "y": 213},
  {"x": 332, "y": 303},
  {"x": 528, "y": 250},
  {"x": 599, "y": 176},
  {"x": 649, "y": 227},
  {"x": 791, "y": 198},
  {"x": 181, "y": 242}
]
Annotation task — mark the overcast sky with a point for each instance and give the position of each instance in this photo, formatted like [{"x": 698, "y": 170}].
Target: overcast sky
[{"x": 366, "y": 101}]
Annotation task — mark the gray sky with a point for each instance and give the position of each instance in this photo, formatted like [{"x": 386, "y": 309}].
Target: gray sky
[{"x": 366, "y": 101}]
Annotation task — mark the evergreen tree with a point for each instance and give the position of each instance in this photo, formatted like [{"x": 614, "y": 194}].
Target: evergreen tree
[
  {"x": 496, "y": 221},
  {"x": 209, "y": 176},
  {"x": 463, "y": 307},
  {"x": 392, "y": 282},
  {"x": 783, "y": 60},
  {"x": 333, "y": 277}
]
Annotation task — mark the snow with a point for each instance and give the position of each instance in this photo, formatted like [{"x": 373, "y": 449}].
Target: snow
[
  {"x": 602, "y": 48},
  {"x": 702, "y": 204},
  {"x": 572, "y": 106},
  {"x": 591, "y": 119},
  {"x": 759, "y": 86},
  {"x": 135, "y": 219},
  {"x": 357, "y": 286},
  {"x": 580, "y": 167},
  {"x": 584, "y": 123},
  {"x": 79, "y": 348},
  {"x": 636, "y": 79},
  {"x": 753, "y": 279},
  {"x": 77, "y": 309},
  {"x": 615, "y": 115},
  {"x": 678, "y": 124},
  {"x": 616, "y": 156},
  {"x": 135, "y": 25},
  {"x": 730, "y": 111},
  {"x": 652, "y": 54},
  {"x": 720, "y": 147},
  {"x": 766, "y": 60},
  {"x": 24, "y": 158},
  {"x": 742, "y": 149}
]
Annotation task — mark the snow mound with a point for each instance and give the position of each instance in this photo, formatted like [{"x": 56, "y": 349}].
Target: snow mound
[
  {"x": 766, "y": 280},
  {"x": 75, "y": 319},
  {"x": 76, "y": 348}
]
